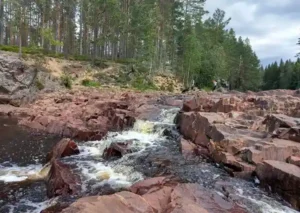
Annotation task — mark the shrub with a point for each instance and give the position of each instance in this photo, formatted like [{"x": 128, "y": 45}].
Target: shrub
[
  {"x": 90, "y": 83},
  {"x": 66, "y": 81},
  {"x": 39, "y": 85}
]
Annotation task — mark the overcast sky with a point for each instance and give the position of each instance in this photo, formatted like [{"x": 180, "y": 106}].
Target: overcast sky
[{"x": 273, "y": 26}]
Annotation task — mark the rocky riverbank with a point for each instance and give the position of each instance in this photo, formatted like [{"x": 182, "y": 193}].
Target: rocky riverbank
[{"x": 253, "y": 134}]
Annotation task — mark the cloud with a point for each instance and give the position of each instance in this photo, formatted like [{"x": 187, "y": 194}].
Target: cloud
[{"x": 273, "y": 26}]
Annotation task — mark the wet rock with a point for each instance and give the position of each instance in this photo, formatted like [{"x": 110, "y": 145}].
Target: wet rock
[
  {"x": 294, "y": 160},
  {"x": 143, "y": 187},
  {"x": 117, "y": 149},
  {"x": 122, "y": 202},
  {"x": 158, "y": 195},
  {"x": 54, "y": 209},
  {"x": 61, "y": 180},
  {"x": 188, "y": 149},
  {"x": 237, "y": 135},
  {"x": 65, "y": 147},
  {"x": 283, "y": 178}
]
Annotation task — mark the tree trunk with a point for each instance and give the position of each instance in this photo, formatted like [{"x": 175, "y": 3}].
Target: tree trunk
[{"x": 1, "y": 21}]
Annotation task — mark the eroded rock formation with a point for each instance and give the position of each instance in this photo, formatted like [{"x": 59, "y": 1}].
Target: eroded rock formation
[
  {"x": 245, "y": 132},
  {"x": 84, "y": 114}
]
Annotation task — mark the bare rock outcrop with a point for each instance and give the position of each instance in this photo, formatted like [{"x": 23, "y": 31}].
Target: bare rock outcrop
[
  {"x": 244, "y": 131},
  {"x": 21, "y": 82},
  {"x": 86, "y": 114},
  {"x": 160, "y": 195}
]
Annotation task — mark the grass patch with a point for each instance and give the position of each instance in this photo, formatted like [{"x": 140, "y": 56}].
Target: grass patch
[
  {"x": 66, "y": 81},
  {"x": 90, "y": 83},
  {"x": 140, "y": 83},
  {"x": 207, "y": 89}
]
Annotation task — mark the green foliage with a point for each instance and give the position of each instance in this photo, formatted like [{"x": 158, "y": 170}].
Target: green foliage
[
  {"x": 142, "y": 84},
  {"x": 148, "y": 35},
  {"x": 286, "y": 75},
  {"x": 47, "y": 33},
  {"x": 66, "y": 81},
  {"x": 26, "y": 50},
  {"x": 39, "y": 84},
  {"x": 207, "y": 89},
  {"x": 90, "y": 83}
]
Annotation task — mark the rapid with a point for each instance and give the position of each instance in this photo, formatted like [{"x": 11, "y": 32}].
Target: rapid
[{"x": 156, "y": 152}]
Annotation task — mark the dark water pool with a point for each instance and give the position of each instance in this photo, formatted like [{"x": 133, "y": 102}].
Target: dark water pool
[{"x": 20, "y": 146}]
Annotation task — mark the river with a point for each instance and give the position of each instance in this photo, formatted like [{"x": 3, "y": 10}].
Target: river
[{"x": 156, "y": 148}]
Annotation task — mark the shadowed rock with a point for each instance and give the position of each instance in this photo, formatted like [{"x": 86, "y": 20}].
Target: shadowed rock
[
  {"x": 61, "y": 180},
  {"x": 117, "y": 150},
  {"x": 63, "y": 148},
  {"x": 283, "y": 178}
]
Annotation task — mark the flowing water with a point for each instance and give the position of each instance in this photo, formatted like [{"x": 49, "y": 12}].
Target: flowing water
[{"x": 156, "y": 152}]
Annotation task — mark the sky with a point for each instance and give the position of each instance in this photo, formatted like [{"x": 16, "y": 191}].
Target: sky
[{"x": 273, "y": 26}]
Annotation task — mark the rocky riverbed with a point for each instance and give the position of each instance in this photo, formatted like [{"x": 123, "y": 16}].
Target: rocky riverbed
[{"x": 139, "y": 152}]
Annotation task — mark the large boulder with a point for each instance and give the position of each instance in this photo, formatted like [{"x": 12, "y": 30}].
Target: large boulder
[
  {"x": 199, "y": 128},
  {"x": 122, "y": 202},
  {"x": 14, "y": 74},
  {"x": 65, "y": 147},
  {"x": 117, "y": 149},
  {"x": 283, "y": 178},
  {"x": 61, "y": 180}
]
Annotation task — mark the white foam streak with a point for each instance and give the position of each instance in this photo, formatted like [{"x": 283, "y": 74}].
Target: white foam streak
[
  {"x": 265, "y": 207},
  {"x": 15, "y": 173}
]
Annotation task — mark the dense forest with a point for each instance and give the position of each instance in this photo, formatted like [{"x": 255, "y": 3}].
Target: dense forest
[
  {"x": 161, "y": 35},
  {"x": 285, "y": 75}
]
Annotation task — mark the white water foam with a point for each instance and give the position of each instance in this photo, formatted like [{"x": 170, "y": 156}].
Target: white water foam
[
  {"x": 14, "y": 173},
  {"x": 270, "y": 207}
]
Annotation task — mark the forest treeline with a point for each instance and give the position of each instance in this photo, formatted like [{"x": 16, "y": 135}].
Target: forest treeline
[
  {"x": 283, "y": 75},
  {"x": 176, "y": 35}
]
